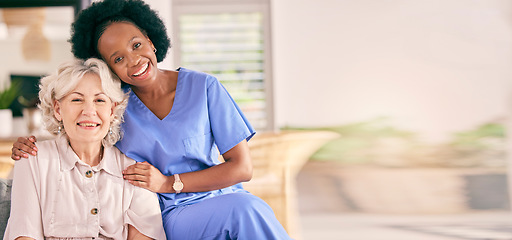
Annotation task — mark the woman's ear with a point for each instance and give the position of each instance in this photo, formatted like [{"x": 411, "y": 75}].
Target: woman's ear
[
  {"x": 151, "y": 43},
  {"x": 56, "y": 110},
  {"x": 112, "y": 115}
]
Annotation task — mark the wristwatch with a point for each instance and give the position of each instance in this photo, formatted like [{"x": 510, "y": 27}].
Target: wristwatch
[{"x": 178, "y": 184}]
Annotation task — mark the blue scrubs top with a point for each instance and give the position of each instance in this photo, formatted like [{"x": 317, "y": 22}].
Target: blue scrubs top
[{"x": 203, "y": 118}]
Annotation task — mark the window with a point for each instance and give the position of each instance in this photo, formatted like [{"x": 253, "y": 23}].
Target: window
[{"x": 230, "y": 40}]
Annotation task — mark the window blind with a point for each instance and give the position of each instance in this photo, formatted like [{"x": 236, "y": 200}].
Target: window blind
[{"x": 230, "y": 46}]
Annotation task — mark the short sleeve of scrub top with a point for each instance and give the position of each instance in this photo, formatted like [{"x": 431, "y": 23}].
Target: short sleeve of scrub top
[{"x": 228, "y": 123}]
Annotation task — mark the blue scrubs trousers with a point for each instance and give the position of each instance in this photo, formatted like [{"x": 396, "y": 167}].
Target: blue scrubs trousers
[{"x": 228, "y": 216}]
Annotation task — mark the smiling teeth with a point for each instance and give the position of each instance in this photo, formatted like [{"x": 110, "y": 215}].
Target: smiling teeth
[
  {"x": 141, "y": 70},
  {"x": 88, "y": 124}
]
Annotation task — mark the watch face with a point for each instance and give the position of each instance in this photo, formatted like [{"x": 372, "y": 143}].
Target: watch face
[{"x": 177, "y": 186}]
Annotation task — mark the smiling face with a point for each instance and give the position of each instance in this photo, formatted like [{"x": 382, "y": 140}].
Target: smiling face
[
  {"x": 86, "y": 111},
  {"x": 129, "y": 53}
]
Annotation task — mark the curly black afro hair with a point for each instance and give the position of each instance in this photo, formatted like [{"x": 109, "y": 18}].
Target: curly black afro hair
[{"x": 92, "y": 21}]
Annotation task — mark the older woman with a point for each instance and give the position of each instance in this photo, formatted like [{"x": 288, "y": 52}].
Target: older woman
[{"x": 74, "y": 187}]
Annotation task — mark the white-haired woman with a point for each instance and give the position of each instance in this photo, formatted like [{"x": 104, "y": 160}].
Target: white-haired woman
[{"x": 74, "y": 187}]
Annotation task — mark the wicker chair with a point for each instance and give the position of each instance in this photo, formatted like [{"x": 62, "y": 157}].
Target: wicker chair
[{"x": 277, "y": 159}]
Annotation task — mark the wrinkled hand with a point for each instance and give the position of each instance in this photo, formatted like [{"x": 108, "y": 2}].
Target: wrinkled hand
[{"x": 145, "y": 175}]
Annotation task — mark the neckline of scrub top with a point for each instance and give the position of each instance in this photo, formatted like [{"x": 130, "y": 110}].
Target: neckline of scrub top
[{"x": 178, "y": 87}]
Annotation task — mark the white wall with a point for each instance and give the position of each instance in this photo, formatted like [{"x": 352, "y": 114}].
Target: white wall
[
  {"x": 55, "y": 30},
  {"x": 433, "y": 66},
  {"x": 164, "y": 9}
]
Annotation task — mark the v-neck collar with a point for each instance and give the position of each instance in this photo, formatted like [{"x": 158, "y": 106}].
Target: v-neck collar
[{"x": 175, "y": 102}]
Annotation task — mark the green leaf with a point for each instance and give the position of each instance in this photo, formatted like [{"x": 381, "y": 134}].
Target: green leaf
[{"x": 8, "y": 95}]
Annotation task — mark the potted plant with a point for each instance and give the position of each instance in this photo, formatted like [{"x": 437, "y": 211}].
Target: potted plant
[{"x": 7, "y": 96}]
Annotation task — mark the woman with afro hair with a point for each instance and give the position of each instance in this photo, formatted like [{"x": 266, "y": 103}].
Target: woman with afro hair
[{"x": 174, "y": 123}]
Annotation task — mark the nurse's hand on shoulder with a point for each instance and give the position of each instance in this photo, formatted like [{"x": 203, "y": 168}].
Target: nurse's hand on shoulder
[
  {"x": 145, "y": 175},
  {"x": 23, "y": 146}
]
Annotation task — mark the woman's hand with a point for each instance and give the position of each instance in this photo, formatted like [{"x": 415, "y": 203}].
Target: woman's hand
[
  {"x": 145, "y": 175},
  {"x": 23, "y": 146}
]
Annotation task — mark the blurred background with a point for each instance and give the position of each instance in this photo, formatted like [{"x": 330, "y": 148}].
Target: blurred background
[{"x": 378, "y": 119}]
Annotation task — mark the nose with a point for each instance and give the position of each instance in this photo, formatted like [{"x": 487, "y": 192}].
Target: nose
[
  {"x": 89, "y": 109},
  {"x": 133, "y": 59}
]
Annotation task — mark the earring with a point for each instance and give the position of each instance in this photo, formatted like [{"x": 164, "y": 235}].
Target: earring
[
  {"x": 154, "y": 50},
  {"x": 59, "y": 129},
  {"x": 110, "y": 131}
]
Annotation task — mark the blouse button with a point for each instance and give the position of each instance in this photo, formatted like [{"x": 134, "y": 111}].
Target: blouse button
[
  {"x": 88, "y": 174},
  {"x": 94, "y": 211}
]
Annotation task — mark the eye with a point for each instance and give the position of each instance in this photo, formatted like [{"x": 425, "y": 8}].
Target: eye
[
  {"x": 76, "y": 100},
  {"x": 136, "y": 45},
  {"x": 101, "y": 100},
  {"x": 118, "y": 59}
]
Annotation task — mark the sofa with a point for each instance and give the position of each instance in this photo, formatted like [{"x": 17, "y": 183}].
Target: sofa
[{"x": 5, "y": 203}]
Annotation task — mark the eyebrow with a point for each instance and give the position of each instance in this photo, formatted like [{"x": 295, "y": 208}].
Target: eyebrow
[
  {"x": 113, "y": 54},
  {"x": 81, "y": 94}
]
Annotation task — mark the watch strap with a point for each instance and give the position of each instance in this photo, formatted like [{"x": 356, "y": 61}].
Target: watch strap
[{"x": 178, "y": 184}]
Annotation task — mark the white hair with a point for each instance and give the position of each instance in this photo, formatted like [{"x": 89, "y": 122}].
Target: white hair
[{"x": 59, "y": 84}]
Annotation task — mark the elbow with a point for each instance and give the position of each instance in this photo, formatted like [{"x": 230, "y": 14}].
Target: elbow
[
  {"x": 246, "y": 172},
  {"x": 248, "y": 175}
]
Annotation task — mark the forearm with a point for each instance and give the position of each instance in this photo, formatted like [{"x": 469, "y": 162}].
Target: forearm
[
  {"x": 236, "y": 168},
  {"x": 217, "y": 177}
]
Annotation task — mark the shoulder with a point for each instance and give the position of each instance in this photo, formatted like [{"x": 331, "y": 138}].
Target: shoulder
[
  {"x": 193, "y": 73},
  {"x": 45, "y": 158},
  {"x": 196, "y": 76},
  {"x": 47, "y": 144},
  {"x": 52, "y": 148},
  {"x": 123, "y": 160},
  {"x": 49, "y": 148}
]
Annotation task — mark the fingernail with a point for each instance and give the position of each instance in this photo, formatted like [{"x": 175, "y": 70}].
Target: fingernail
[
  {"x": 25, "y": 155},
  {"x": 33, "y": 152},
  {"x": 35, "y": 148}
]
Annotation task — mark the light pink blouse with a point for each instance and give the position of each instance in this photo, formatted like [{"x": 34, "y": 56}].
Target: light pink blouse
[{"x": 57, "y": 195}]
